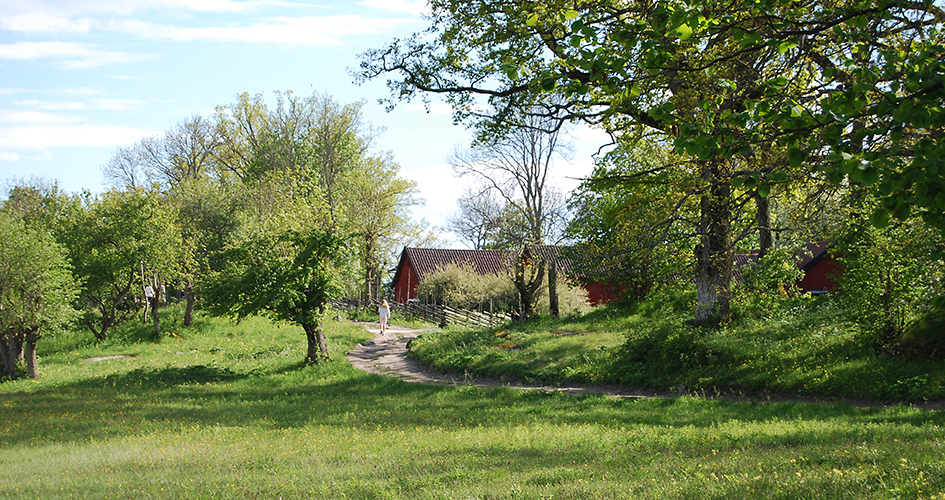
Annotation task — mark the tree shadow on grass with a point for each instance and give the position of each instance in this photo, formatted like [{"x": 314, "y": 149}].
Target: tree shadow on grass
[{"x": 336, "y": 395}]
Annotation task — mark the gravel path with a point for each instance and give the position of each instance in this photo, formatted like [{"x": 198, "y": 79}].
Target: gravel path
[{"x": 387, "y": 355}]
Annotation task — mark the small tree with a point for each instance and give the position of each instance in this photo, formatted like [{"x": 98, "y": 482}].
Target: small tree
[
  {"x": 527, "y": 275},
  {"x": 289, "y": 278},
  {"x": 111, "y": 241},
  {"x": 36, "y": 289}
]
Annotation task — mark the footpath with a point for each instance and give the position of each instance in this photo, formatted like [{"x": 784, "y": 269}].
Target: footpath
[{"x": 387, "y": 355}]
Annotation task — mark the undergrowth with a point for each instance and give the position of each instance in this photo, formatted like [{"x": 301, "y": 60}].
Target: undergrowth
[{"x": 773, "y": 345}]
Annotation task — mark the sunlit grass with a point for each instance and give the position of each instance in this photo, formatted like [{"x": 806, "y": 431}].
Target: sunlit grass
[
  {"x": 230, "y": 411},
  {"x": 795, "y": 346}
]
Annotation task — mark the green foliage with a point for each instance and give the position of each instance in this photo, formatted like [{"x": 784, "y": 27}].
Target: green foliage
[
  {"x": 626, "y": 221},
  {"x": 289, "y": 277},
  {"x": 113, "y": 241},
  {"x": 36, "y": 291},
  {"x": 776, "y": 273},
  {"x": 891, "y": 277},
  {"x": 459, "y": 285}
]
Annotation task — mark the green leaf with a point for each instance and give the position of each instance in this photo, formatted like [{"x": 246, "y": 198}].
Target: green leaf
[
  {"x": 796, "y": 156},
  {"x": 870, "y": 175},
  {"x": 939, "y": 302},
  {"x": 764, "y": 189},
  {"x": 570, "y": 14},
  {"x": 532, "y": 20},
  {"x": 903, "y": 212},
  {"x": 879, "y": 219},
  {"x": 786, "y": 46},
  {"x": 549, "y": 84},
  {"x": 684, "y": 32},
  {"x": 737, "y": 181}
]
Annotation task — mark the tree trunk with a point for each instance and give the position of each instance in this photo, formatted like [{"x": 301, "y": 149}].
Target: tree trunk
[
  {"x": 8, "y": 352},
  {"x": 99, "y": 334},
  {"x": 316, "y": 342},
  {"x": 528, "y": 278},
  {"x": 763, "y": 221},
  {"x": 553, "y": 290},
  {"x": 32, "y": 368},
  {"x": 156, "y": 318},
  {"x": 191, "y": 300},
  {"x": 713, "y": 254}
]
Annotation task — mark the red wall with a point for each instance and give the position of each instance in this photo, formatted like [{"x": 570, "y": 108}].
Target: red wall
[
  {"x": 819, "y": 277},
  {"x": 406, "y": 286}
]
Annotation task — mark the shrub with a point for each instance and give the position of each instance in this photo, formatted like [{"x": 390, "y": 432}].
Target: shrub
[
  {"x": 459, "y": 285},
  {"x": 891, "y": 277}
]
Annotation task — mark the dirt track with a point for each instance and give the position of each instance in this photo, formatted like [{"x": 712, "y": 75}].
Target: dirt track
[{"x": 387, "y": 355}]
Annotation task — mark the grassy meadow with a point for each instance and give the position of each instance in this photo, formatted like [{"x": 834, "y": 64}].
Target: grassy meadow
[{"x": 228, "y": 410}]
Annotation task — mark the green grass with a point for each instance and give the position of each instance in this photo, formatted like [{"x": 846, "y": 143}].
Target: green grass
[
  {"x": 230, "y": 411},
  {"x": 783, "y": 347}
]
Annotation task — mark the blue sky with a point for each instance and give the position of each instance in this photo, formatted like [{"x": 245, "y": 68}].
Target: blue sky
[{"x": 80, "y": 78}]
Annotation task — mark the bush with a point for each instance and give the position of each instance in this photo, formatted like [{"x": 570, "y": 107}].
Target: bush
[
  {"x": 891, "y": 277},
  {"x": 459, "y": 285}
]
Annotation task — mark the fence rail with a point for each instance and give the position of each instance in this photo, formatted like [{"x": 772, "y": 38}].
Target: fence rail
[{"x": 441, "y": 315}]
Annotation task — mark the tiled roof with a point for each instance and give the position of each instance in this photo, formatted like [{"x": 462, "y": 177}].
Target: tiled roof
[{"x": 426, "y": 261}]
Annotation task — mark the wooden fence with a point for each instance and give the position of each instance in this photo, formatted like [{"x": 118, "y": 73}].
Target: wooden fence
[{"x": 441, "y": 315}]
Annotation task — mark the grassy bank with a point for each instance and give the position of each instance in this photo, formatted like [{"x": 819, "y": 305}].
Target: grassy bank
[
  {"x": 799, "y": 346},
  {"x": 229, "y": 411}
]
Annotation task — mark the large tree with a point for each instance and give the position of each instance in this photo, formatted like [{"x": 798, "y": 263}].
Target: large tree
[
  {"x": 854, "y": 88},
  {"x": 515, "y": 165},
  {"x": 382, "y": 200},
  {"x": 36, "y": 291}
]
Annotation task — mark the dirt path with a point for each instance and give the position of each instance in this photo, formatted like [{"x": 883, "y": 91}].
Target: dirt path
[{"x": 387, "y": 355}]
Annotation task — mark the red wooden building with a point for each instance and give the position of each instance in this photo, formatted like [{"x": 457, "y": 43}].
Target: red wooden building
[
  {"x": 815, "y": 259},
  {"x": 417, "y": 264},
  {"x": 820, "y": 268}
]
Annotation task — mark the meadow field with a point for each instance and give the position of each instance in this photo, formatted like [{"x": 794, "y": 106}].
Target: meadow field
[{"x": 225, "y": 410}]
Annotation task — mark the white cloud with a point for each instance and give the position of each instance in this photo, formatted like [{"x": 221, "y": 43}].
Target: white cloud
[
  {"x": 30, "y": 117},
  {"x": 72, "y": 55},
  {"x": 285, "y": 30},
  {"x": 402, "y": 6},
  {"x": 37, "y": 137},
  {"x": 107, "y": 104},
  {"x": 9, "y": 156},
  {"x": 42, "y": 23},
  {"x": 98, "y": 8}
]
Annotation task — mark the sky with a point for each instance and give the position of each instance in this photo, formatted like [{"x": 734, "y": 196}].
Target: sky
[{"x": 81, "y": 78}]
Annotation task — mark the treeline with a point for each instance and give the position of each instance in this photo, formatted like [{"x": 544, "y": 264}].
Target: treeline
[{"x": 258, "y": 208}]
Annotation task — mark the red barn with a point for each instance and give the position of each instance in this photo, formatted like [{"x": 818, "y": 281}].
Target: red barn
[
  {"x": 416, "y": 264},
  {"x": 819, "y": 268}
]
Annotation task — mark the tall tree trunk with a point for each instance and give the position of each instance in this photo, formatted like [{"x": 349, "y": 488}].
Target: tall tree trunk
[
  {"x": 763, "y": 221},
  {"x": 553, "y": 289},
  {"x": 29, "y": 348},
  {"x": 156, "y": 317},
  {"x": 191, "y": 300},
  {"x": 714, "y": 254}
]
